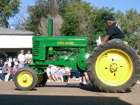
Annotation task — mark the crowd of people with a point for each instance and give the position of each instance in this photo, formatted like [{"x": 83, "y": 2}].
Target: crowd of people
[
  {"x": 66, "y": 74},
  {"x": 8, "y": 71}
]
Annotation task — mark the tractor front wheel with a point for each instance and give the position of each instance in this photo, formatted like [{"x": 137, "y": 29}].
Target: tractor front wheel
[
  {"x": 25, "y": 79},
  {"x": 113, "y": 67}
]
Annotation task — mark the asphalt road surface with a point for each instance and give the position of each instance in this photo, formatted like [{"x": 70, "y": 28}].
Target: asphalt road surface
[{"x": 58, "y": 93}]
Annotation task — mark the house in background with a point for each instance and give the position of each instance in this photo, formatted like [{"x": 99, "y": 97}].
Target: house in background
[{"x": 13, "y": 41}]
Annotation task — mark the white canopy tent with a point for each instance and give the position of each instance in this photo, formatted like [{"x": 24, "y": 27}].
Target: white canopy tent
[
  {"x": 11, "y": 38},
  {"x": 11, "y": 41}
]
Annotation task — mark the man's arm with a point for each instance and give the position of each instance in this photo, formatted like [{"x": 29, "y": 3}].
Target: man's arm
[
  {"x": 105, "y": 38},
  {"x": 4, "y": 72}
]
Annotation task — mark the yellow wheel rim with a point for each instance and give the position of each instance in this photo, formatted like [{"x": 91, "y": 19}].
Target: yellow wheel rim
[
  {"x": 40, "y": 78},
  {"x": 114, "y": 67},
  {"x": 25, "y": 79}
]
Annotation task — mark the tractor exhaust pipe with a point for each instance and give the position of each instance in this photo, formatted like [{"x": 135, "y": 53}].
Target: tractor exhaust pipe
[{"x": 50, "y": 27}]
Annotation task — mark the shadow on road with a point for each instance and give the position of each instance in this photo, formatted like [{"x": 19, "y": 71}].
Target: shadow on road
[
  {"x": 74, "y": 85},
  {"x": 59, "y": 100},
  {"x": 92, "y": 88},
  {"x": 85, "y": 87}
]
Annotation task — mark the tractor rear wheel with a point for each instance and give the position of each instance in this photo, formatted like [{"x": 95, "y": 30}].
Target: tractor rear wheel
[
  {"x": 25, "y": 79},
  {"x": 113, "y": 67},
  {"x": 42, "y": 79}
]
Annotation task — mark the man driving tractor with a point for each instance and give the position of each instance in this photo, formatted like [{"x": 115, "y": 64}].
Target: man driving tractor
[{"x": 114, "y": 31}]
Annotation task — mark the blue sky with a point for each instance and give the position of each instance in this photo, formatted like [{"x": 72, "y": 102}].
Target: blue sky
[{"x": 121, "y": 5}]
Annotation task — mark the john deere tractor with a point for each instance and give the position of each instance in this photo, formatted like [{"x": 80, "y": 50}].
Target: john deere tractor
[{"x": 112, "y": 66}]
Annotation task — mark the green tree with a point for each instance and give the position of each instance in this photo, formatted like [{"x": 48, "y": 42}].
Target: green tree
[
  {"x": 8, "y": 8},
  {"x": 135, "y": 41},
  {"x": 38, "y": 14},
  {"x": 83, "y": 19},
  {"x": 129, "y": 21},
  {"x": 60, "y": 5},
  {"x": 73, "y": 16}
]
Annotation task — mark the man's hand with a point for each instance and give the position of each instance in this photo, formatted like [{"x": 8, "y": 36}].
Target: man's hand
[{"x": 105, "y": 38}]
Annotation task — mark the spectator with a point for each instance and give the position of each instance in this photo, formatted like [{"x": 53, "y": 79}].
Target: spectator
[
  {"x": 8, "y": 62},
  {"x": 76, "y": 74},
  {"x": 1, "y": 63},
  {"x": 54, "y": 76},
  {"x": 84, "y": 78},
  {"x": 66, "y": 75},
  {"x": 16, "y": 62},
  {"x": 4, "y": 72},
  {"x": 60, "y": 73},
  {"x": 8, "y": 73},
  {"x": 16, "y": 67},
  {"x": 21, "y": 58},
  {"x": 28, "y": 58},
  {"x": 11, "y": 74},
  {"x": 48, "y": 71},
  {"x": 87, "y": 78}
]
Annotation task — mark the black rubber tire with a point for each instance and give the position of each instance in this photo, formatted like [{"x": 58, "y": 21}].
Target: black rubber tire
[
  {"x": 30, "y": 71},
  {"x": 92, "y": 62},
  {"x": 43, "y": 81}
]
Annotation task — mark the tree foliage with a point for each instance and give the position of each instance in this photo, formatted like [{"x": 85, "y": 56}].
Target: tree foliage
[
  {"x": 8, "y": 8},
  {"x": 38, "y": 14},
  {"x": 83, "y": 19},
  {"x": 135, "y": 41},
  {"x": 129, "y": 21},
  {"x": 35, "y": 13}
]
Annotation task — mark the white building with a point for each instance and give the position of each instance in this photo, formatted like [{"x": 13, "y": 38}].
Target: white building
[{"x": 13, "y": 41}]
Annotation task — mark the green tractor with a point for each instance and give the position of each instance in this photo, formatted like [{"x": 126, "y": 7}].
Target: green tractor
[{"x": 111, "y": 67}]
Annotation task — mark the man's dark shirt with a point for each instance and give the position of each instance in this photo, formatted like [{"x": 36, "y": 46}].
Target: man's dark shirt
[{"x": 115, "y": 32}]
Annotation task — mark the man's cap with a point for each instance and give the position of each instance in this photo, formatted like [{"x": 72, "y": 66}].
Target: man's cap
[
  {"x": 1, "y": 59},
  {"x": 109, "y": 19},
  {"x": 22, "y": 50}
]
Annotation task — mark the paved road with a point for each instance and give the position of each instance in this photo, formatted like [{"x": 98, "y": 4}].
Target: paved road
[{"x": 60, "y": 94}]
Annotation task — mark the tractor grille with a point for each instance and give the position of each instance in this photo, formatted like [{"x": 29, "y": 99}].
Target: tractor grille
[{"x": 36, "y": 47}]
